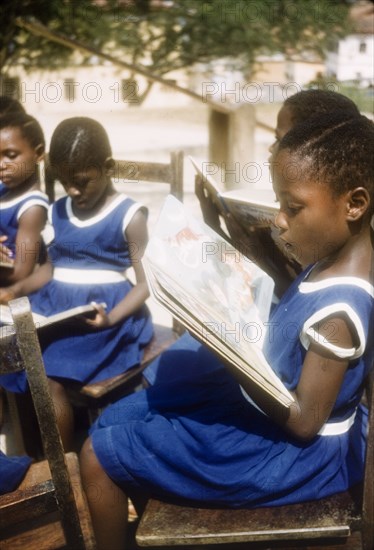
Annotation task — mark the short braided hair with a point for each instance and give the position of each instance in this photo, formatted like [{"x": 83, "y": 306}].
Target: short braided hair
[
  {"x": 28, "y": 126},
  {"x": 307, "y": 103},
  {"x": 335, "y": 150},
  {"x": 80, "y": 143}
]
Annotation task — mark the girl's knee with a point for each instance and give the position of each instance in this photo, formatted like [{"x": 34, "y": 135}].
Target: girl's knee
[
  {"x": 90, "y": 465},
  {"x": 57, "y": 389}
]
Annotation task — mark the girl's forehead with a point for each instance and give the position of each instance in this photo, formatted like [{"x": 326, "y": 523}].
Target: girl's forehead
[
  {"x": 288, "y": 169},
  {"x": 13, "y": 134},
  {"x": 12, "y": 131},
  {"x": 284, "y": 121}
]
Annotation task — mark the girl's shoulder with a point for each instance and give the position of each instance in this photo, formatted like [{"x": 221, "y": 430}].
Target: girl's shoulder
[{"x": 37, "y": 196}]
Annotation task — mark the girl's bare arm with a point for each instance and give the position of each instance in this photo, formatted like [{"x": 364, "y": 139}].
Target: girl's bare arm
[
  {"x": 33, "y": 282},
  {"x": 137, "y": 237},
  {"x": 28, "y": 245},
  {"x": 321, "y": 378}
]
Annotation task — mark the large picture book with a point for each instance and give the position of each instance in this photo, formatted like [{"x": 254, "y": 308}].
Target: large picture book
[
  {"x": 42, "y": 322},
  {"x": 216, "y": 293},
  {"x": 248, "y": 207}
]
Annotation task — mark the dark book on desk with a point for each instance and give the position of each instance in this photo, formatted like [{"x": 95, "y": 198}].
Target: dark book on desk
[
  {"x": 41, "y": 321},
  {"x": 215, "y": 292},
  {"x": 247, "y": 206}
]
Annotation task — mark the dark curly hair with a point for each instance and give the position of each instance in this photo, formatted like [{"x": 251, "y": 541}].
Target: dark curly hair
[
  {"x": 10, "y": 105},
  {"x": 80, "y": 143},
  {"x": 308, "y": 103},
  {"x": 28, "y": 125},
  {"x": 334, "y": 149}
]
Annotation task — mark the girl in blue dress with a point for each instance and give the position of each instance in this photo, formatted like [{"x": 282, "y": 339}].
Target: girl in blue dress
[
  {"x": 98, "y": 234},
  {"x": 273, "y": 259},
  {"x": 23, "y": 207},
  {"x": 204, "y": 441}
]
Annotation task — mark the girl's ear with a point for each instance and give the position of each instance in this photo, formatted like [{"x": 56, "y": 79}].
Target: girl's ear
[
  {"x": 358, "y": 202},
  {"x": 109, "y": 165},
  {"x": 40, "y": 152}
]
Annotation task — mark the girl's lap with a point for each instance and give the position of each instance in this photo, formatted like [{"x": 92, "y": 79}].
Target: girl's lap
[{"x": 203, "y": 442}]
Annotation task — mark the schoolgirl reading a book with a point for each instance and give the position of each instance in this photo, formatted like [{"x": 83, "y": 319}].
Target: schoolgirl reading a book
[
  {"x": 98, "y": 234},
  {"x": 261, "y": 244},
  {"x": 23, "y": 207},
  {"x": 219, "y": 440},
  {"x": 256, "y": 243}
]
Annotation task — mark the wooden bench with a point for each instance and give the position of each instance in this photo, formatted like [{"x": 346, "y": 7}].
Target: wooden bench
[
  {"x": 49, "y": 509},
  {"x": 344, "y": 520}
]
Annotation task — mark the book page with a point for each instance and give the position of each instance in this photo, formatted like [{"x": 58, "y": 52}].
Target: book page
[
  {"x": 217, "y": 293},
  {"x": 7, "y": 319},
  {"x": 248, "y": 206},
  {"x": 42, "y": 321}
]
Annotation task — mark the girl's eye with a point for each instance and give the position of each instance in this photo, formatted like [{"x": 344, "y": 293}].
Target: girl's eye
[
  {"x": 11, "y": 154},
  {"x": 293, "y": 210}
]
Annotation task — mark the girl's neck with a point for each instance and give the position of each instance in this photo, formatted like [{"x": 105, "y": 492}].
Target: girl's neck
[
  {"x": 30, "y": 184},
  {"x": 105, "y": 200},
  {"x": 354, "y": 259}
]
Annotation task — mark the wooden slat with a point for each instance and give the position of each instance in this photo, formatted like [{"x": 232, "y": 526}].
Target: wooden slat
[
  {"x": 134, "y": 170},
  {"x": 165, "y": 524},
  {"x": 43, "y": 537},
  {"x": 23, "y": 511},
  {"x": 163, "y": 338}
]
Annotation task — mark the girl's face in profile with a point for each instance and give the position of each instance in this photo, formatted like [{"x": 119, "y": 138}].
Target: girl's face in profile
[
  {"x": 18, "y": 158},
  {"x": 311, "y": 220}
]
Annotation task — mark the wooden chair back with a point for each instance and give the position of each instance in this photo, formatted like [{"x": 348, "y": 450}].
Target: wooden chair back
[
  {"x": 345, "y": 519},
  {"x": 154, "y": 172},
  {"x": 51, "y": 489}
]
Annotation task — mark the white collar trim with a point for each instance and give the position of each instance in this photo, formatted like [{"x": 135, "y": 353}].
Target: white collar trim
[
  {"x": 305, "y": 287},
  {"x": 95, "y": 219}
]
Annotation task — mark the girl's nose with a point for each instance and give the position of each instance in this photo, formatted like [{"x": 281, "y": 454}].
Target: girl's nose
[
  {"x": 73, "y": 192},
  {"x": 280, "y": 220}
]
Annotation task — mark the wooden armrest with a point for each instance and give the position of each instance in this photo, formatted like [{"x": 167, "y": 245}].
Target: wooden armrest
[{"x": 162, "y": 339}]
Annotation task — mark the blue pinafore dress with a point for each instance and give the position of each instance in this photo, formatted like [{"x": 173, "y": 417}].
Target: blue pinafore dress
[
  {"x": 12, "y": 471},
  {"x": 200, "y": 439},
  {"x": 89, "y": 260},
  {"x": 12, "y": 210}
]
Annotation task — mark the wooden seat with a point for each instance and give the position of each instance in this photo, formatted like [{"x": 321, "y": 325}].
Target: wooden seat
[
  {"x": 99, "y": 394},
  {"x": 344, "y": 520},
  {"x": 49, "y": 509}
]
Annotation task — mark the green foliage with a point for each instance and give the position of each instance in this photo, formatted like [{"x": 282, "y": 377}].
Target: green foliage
[{"x": 169, "y": 35}]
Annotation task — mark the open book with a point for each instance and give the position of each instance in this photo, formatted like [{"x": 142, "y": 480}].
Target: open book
[
  {"x": 248, "y": 207},
  {"x": 219, "y": 295},
  {"x": 41, "y": 321}
]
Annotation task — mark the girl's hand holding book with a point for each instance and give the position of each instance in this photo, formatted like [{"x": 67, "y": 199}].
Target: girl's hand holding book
[
  {"x": 101, "y": 320},
  {"x": 6, "y": 255}
]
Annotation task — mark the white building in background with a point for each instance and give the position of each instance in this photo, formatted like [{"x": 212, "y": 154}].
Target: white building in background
[{"x": 351, "y": 58}]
